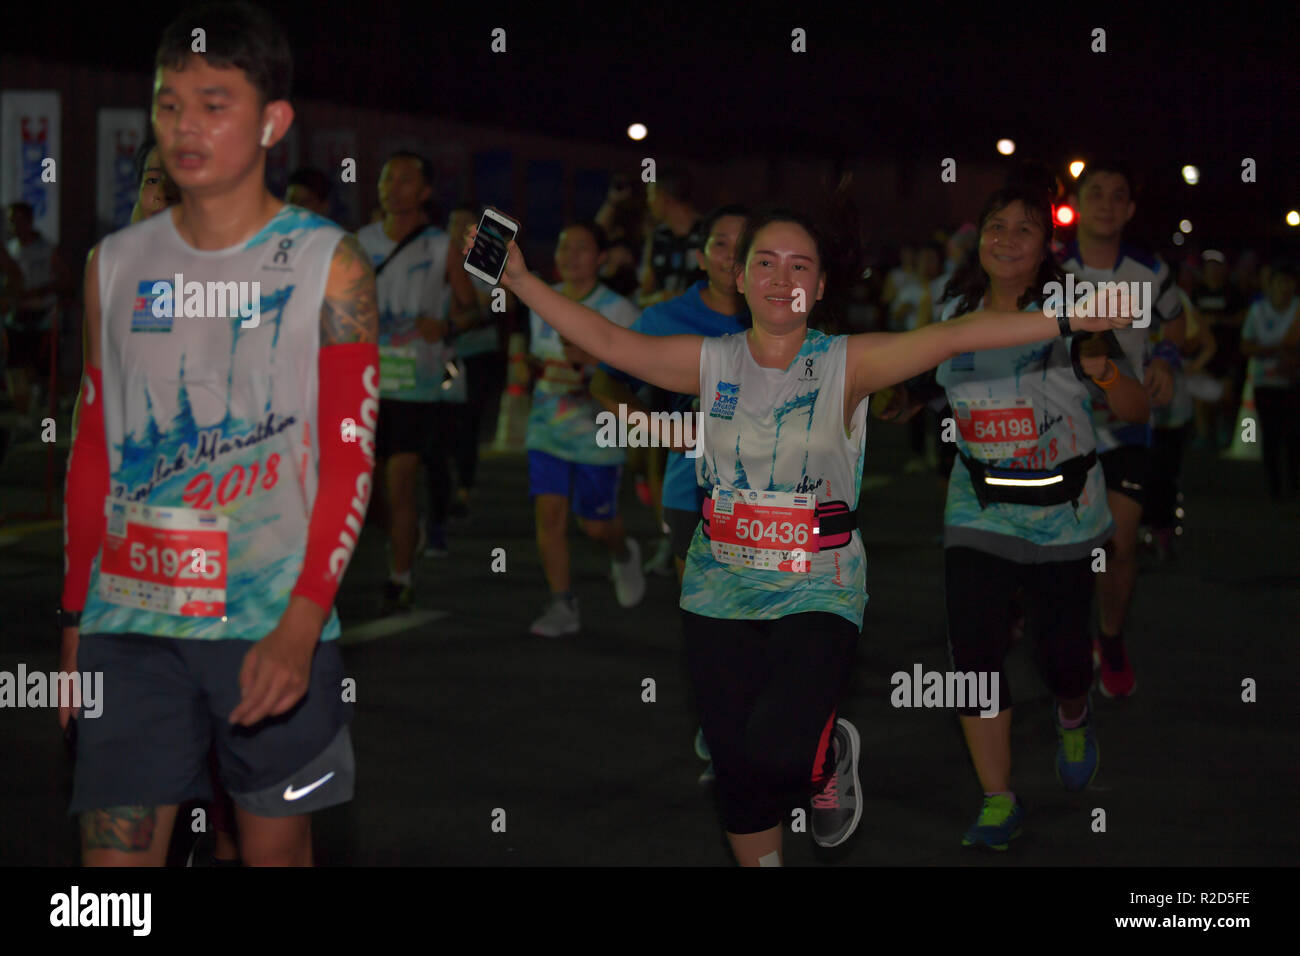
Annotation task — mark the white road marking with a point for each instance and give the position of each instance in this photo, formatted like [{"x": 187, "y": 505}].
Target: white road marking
[{"x": 388, "y": 626}]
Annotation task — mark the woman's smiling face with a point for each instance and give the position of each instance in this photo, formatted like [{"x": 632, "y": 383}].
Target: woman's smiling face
[
  {"x": 782, "y": 277},
  {"x": 1011, "y": 243}
]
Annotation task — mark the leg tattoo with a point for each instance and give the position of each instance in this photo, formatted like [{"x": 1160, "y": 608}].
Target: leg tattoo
[{"x": 129, "y": 829}]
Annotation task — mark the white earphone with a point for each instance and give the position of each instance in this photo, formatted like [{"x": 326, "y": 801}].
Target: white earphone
[{"x": 267, "y": 130}]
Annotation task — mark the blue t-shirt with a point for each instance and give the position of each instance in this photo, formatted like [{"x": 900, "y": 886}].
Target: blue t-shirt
[{"x": 685, "y": 315}]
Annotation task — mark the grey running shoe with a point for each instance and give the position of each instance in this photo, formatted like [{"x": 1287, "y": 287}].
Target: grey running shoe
[
  {"x": 701, "y": 748},
  {"x": 838, "y": 808},
  {"x": 629, "y": 582},
  {"x": 661, "y": 562},
  {"x": 560, "y": 618},
  {"x": 396, "y": 598}
]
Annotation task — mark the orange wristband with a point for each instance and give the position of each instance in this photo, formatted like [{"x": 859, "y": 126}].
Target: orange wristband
[{"x": 1107, "y": 383}]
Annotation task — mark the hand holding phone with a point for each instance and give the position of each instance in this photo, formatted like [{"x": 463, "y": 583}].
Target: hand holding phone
[
  {"x": 620, "y": 188},
  {"x": 490, "y": 248}
]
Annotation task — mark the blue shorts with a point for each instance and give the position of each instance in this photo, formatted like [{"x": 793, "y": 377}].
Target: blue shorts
[
  {"x": 592, "y": 489},
  {"x": 166, "y": 701}
]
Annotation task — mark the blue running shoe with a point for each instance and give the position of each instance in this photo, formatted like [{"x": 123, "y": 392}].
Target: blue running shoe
[
  {"x": 701, "y": 748},
  {"x": 997, "y": 825},
  {"x": 435, "y": 543},
  {"x": 1077, "y": 753}
]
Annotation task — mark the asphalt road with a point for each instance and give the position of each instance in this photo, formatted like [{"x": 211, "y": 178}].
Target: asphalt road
[{"x": 461, "y": 713}]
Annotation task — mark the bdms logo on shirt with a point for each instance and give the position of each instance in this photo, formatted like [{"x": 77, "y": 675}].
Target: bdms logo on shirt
[
  {"x": 725, "y": 399},
  {"x": 143, "y": 317}
]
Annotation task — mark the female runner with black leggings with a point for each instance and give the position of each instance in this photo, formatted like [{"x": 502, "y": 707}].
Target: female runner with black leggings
[{"x": 775, "y": 582}]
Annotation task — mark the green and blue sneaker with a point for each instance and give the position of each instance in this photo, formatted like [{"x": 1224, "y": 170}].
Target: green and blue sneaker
[
  {"x": 997, "y": 825},
  {"x": 1077, "y": 753}
]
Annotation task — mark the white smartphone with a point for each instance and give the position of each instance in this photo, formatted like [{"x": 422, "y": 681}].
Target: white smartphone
[{"x": 487, "y": 258}]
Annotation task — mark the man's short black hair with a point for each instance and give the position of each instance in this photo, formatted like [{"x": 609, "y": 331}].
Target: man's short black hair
[
  {"x": 718, "y": 212},
  {"x": 313, "y": 180},
  {"x": 676, "y": 182},
  {"x": 596, "y": 230},
  {"x": 235, "y": 34},
  {"x": 1286, "y": 265},
  {"x": 426, "y": 168},
  {"x": 1108, "y": 166},
  {"x": 935, "y": 246}
]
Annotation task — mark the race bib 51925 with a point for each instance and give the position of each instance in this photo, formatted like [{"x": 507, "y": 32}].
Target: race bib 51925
[{"x": 168, "y": 560}]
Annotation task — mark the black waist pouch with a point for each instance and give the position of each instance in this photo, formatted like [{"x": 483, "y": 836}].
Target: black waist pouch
[{"x": 1015, "y": 486}]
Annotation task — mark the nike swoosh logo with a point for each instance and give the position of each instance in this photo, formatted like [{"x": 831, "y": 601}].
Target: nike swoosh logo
[{"x": 292, "y": 794}]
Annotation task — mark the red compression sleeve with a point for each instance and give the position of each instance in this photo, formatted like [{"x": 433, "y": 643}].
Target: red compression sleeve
[
  {"x": 348, "y": 411},
  {"x": 84, "y": 492}
]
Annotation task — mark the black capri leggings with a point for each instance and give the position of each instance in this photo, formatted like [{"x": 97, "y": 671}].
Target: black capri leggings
[
  {"x": 1279, "y": 436},
  {"x": 766, "y": 693},
  {"x": 980, "y": 588}
]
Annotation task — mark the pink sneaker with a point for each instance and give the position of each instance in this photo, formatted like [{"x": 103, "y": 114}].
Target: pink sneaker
[{"x": 1113, "y": 682}]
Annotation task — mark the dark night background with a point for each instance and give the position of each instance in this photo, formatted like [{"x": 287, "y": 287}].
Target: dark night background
[
  {"x": 907, "y": 82},
  {"x": 464, "y": 713}
]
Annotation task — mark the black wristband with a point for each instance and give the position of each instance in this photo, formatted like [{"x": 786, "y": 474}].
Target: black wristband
[
  {"x": 67, "y": 619},
  {"x": 1063, "y": 323}
]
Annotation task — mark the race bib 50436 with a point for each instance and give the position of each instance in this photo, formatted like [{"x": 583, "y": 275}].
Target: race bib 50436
[{"x": 766, "y": 530}]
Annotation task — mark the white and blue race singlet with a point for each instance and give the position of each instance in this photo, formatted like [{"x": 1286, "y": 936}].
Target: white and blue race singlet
[
  {"x": 211, "y": 418},
  {"x": 1034, "y": 386},
  {"x": 770, "y": 429},
  {"x": 36, "y": 262},
  {"x": 563, "y": 417},
  {"x": 1179, "y": 411},
  {"x": 1268, "y": 327},
  {"x": 412, "y": 286},
  {"x": 1131, "y": 266},
  {"x": 485, "y": 339}
]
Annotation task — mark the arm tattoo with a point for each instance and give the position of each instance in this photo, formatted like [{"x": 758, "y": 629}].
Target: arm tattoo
[
  {"x": 349, "y": 312},
  {"x": 119, "y": 828}
]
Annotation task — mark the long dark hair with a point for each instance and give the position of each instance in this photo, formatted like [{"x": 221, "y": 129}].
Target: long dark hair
[
  {"x": 836, "y": 230},
  {"x": 969, "y": 282},
  {"x": 142, "y": 155}
]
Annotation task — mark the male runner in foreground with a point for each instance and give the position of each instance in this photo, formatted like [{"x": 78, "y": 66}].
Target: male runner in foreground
[{"x": 230, "y": 443}]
